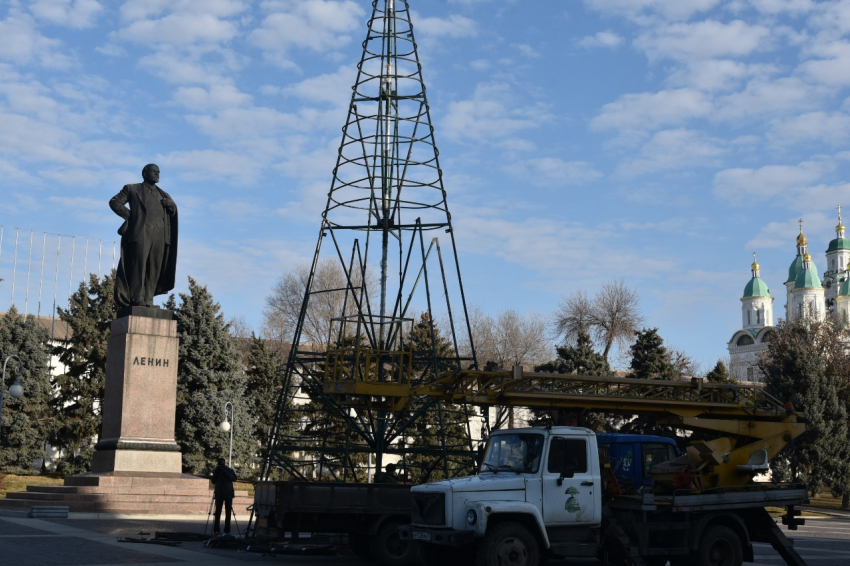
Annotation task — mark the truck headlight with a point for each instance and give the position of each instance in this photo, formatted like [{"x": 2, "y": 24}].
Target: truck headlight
[{"x": 471, "y": 516}]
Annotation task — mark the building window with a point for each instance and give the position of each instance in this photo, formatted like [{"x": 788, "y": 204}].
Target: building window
[
  {"x": 758, "y": 316},
  {"x": 749, "y": 322},
  {"x": 750, "y": 374},
  {"x": 745, "y": 340}
]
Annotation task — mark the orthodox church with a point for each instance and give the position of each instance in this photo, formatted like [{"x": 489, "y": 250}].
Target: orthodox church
[{"x": 806, "y": 296}]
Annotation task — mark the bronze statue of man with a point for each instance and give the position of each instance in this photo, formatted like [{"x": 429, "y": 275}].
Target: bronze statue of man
[{"x": 148, "y": 241}]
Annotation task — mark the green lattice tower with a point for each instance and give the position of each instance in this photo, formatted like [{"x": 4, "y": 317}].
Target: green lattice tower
[{"x": 381, "y": 228}]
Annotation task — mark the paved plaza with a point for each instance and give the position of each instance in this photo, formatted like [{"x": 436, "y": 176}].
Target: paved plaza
[{"x": 55, "y": 542}]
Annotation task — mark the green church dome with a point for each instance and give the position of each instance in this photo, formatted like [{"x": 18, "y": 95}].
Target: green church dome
[
  {"x": 844, "y": 290},
  {"x": 756, "y": 288},
  {"x": 808, "y": 279},
  {"x": 838, "y": 244},
  {"x": 795, "y": 268}
]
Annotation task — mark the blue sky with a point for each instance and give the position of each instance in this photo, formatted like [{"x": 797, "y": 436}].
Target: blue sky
[{"x": 661, "y": 141}]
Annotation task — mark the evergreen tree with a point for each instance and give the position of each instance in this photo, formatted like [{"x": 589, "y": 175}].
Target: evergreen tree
[
  {"x": 26, "y": 420},
  {"x": 719, "y": 374},
  {"x": 808, "y": 364},
  {"x": 209, "y": 374},
  {"x": 441, "y": 442},
  {"x": 650, "y": 359},
  {"x": 580, "y": 359},
  {"x": 79, "y": 391},
  {"x": 264, "y": 371}
]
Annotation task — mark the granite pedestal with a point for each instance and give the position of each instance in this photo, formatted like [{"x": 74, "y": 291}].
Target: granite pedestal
[{"x": 141, "y": 397}]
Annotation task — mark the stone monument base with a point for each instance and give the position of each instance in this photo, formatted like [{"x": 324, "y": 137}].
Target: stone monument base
[{"x": 125, "y": 493}]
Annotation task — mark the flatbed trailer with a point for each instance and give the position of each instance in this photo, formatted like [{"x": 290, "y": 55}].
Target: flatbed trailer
[
  {"x": 652, "y": 529},
  {"x": 368, "y": 513}
]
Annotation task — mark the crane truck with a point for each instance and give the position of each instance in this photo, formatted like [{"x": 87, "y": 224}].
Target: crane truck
[{"x": 543, "y": 492}]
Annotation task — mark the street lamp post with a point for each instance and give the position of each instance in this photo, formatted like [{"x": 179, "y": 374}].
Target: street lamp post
[
  {"x": 227, "y": 427},
  {"x": 16, "y": 390}
]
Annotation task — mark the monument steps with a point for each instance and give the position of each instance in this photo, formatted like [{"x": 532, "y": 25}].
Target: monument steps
[{"x": 112, "y": 502}]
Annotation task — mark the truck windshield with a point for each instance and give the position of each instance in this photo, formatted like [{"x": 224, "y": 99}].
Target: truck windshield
[{"x": 518, "y": 452}]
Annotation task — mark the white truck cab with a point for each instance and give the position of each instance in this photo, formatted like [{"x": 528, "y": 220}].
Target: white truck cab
[{"x": 544, "y": 479}]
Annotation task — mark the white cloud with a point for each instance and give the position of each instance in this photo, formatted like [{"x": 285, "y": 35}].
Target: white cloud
[
  {"x": 21, "y": 43},
  {"x": 527, "y": 51},
  {"x": 133, "y": 10},
  {"x": 180, "y": 29},
  {"x": 777, "y": 7},
  {"x": 220, "y": 95},
  {"x": 213, "y": 164},
  {"x": 454, "y": 26},
  {"x": 673, "y": 149},
  {"x": 833, "y": 68},
  {"x": 702, "y": 40},
  {"x": 644, "y": 11},
  {"x": 317, "y": 25},
  {"x": 653, "y": 110},
  {"x": 490, "y": 115},
  {"x": 605, "y": 38},
  {"x": 828, "y": 127},
  {"x": 788, "y": 182},
  {"x": 70, "y": 13},
  {"x": 786, "y": 95},
  {"x": 717, "y": 74},
  {"x": 552, "y": 171},
  {"x": 331, "y": 87}
]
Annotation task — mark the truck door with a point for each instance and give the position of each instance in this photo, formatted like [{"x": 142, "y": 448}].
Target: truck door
[{"x": 570, "y": 490}]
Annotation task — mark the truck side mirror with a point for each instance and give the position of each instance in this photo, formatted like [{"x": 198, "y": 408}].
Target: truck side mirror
[{"x": 567, "y": 471}]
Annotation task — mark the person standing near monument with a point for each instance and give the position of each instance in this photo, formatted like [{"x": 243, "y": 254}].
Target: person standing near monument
[
  {"x": 223, "y": 478},
  {"x": 148, "y": 241}
]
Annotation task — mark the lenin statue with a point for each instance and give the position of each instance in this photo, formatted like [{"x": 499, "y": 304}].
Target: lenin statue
[{"x": 148, "y": 241}]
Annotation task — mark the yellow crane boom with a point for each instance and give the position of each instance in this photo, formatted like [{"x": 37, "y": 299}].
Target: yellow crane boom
[{"x": 755, "y": 425}]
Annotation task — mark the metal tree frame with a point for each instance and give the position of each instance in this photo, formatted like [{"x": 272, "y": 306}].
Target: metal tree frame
[{"x": 387, "y": 193}]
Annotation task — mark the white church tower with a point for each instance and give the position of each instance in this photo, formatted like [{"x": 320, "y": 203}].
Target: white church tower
[
  {"x": 757, "y": 303},
  {"x": 837, "y": 264},
  {"x": 794, "y": 270},
  {"x": 807, "y": 297},
  {"x": 747, "y": 344}
]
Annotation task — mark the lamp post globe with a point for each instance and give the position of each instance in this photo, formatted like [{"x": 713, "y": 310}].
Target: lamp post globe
[
  {"x": 16, "y": 390},
  {"x": 225, "y": 426}
]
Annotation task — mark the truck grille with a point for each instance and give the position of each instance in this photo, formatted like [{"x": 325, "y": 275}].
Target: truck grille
[{"x": 428, "y": 508}]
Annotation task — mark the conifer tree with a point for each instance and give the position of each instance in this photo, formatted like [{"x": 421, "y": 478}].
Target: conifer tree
[
  {"x": 650, "y": 359},
  {"x": 209, "y": 374},
  {"x": 79, "y": 391},
  {"x": 808, "y": 364},
  {"x": 263, "y": 375},
  {"x": 26, "y": 420},
  {"x": 719, "y": 374},
  {"x": 580, "y": 359},
  {"x": 443, "y": 430}
]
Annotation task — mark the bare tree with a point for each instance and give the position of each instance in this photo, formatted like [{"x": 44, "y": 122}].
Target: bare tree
[
  {"x": 575, "y": 316},
  {"x": 283, "y": 306},
  {"x": 611, "y": 317},
  {"x": 508, "y": 340}
]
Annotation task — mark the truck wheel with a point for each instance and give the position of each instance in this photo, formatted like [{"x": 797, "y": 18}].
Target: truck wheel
[
  {"x": 361, "y": 545},
  {"x": 509, "y": 544},
  {"x": 388, "y": 549},
  {"x": 719, "y": 546}
]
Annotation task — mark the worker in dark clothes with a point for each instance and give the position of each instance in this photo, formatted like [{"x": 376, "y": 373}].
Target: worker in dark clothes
[
  {"x": 223, "y": 478},
  {"x": 387, "y": 477}
]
